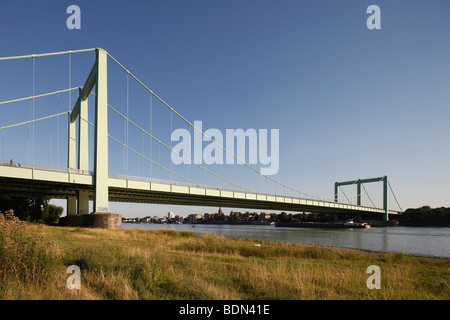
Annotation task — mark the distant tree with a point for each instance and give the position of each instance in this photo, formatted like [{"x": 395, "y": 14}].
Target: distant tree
[
  {"x": 282, "y": 216},
  {"x": 273, "y": 217},
  {"x": 20, "y": 205},
  {"x": 51, "y": 214},
  {"x": 313, "y": 217},
  {"x": 32, "y": 209},
  {"x": 37, "y": 208}
]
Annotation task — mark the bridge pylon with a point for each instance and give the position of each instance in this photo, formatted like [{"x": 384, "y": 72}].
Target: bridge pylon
[
  {"x": 359, "y": 183},
  {"x": 98, "y": 76}
]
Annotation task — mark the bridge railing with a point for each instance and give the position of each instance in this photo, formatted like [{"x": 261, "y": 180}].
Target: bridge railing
[
  {"x": 187, "y": 184},
  {"x": 22, "y": 164},
  {"x": 29, "y": 165}
]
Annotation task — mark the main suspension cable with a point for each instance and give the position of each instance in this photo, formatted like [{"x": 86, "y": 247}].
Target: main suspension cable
[{"x": 200, "y": 131}]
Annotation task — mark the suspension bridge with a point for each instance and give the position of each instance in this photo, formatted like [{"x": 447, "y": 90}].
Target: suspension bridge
[{"x": 93, "y": 148}]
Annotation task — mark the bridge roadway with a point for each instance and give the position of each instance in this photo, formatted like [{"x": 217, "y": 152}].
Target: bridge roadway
[{"x": 23, "y": 180}]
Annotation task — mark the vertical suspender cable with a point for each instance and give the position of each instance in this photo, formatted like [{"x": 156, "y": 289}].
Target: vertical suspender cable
[
  {"x": 170, "y": 137},
  {"x": 57, "y": 132},
  {"x": 256, "y": 182},
  {"x": 3, "y": 145},
  {"x": 51, "y": 142},
  {"x": 128, "y": 80},
  {"x": 70, "y": 81},
  {"x": 379, "y": 202},
  {"x": 34, "y": 88},
  {"x": 124, "y": 158},
  {"x": 92, "y": 145},
  {"x": 364, "y": 188},
  {"x": 377, "y": 190},
  {"x": 344, "y": 194},
  {"x": 266, "y": 187},
  {"x": 190, "y": 160},
  {"x": 151, "y": 140},
  {"x": 141, "y": 162},
  {"x": 245, "y": 176},
  {"x": 29, "y": 136},
  {"x": 70, "y": 96}
]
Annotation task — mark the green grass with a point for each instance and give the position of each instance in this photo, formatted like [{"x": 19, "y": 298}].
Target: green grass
[{"x": 166, "y": 264}]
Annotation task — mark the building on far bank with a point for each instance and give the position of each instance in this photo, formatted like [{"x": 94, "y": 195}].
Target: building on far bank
[{"x": 193, "y": 218}]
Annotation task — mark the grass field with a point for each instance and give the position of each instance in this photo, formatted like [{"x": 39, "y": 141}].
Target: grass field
[{"x": 166, "y": 264}]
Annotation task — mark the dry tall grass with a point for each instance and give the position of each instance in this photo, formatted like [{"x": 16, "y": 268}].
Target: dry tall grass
[
  {"x": 165, "y": 264},
  {"x": 25, "y": 257}
]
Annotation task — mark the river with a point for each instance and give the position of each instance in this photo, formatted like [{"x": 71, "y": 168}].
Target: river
[{"x": 422, "y": 241}]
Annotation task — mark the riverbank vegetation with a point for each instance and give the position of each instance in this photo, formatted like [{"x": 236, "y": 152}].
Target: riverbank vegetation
[
  {"x": 426, "y": 216},
  {"x": 33, "y": 209},
  {"x": 168, "y": 264},
  {"x": 415, "y": 217}
]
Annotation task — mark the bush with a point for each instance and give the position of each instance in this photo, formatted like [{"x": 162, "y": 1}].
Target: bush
[
  {"x": 24, "y": 256},
  {"x": 51, "y": 214}
]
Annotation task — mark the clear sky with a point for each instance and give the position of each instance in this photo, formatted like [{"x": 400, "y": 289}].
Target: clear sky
[{"x": 349, "y": 102}]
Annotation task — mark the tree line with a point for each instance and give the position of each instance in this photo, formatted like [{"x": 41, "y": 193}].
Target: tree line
[
  {"x": 302, "y": 217},
  {"x": 38, "y": 209},
  {"x": 33, "y": 209},
  {"x": 426, "y": 216},
  {"x": 275, "y": 217}
]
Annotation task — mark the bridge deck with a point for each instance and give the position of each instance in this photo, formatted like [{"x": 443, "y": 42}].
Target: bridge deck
[{"x": 61, "y": 184}]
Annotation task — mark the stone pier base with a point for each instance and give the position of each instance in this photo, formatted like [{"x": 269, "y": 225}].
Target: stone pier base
[{"x": 94, "y": 220}]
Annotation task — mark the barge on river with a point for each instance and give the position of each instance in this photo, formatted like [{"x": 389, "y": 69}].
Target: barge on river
[{"x": 346, "y": 224}]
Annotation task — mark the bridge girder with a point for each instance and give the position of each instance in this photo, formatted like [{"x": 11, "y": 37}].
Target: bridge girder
[{"x": 60, "y": 190}]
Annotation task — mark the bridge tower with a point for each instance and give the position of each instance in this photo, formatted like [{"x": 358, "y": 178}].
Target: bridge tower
[
  {"x": 358, "y": 183},
  {"x": 98, "y": 77}
]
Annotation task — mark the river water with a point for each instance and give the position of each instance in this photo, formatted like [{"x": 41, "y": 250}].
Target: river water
[{"x": 423, "y": 241}]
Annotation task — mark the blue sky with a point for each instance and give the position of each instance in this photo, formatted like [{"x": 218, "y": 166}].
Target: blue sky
[{"x": 349, "y": 102}]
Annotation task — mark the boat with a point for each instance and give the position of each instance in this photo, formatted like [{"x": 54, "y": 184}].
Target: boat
[
  {"x": 352, "y": 224},
  {"x": 346, "y": 224},
  {"x": 308, "y": 224}
]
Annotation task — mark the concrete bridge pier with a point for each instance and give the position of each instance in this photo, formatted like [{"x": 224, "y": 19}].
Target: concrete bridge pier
[{"x": 103, "y": 220}]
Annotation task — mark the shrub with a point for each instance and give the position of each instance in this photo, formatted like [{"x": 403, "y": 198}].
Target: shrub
[
  {"x": 24, "y": 256},
  {"x": 51, "y": 214}
]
